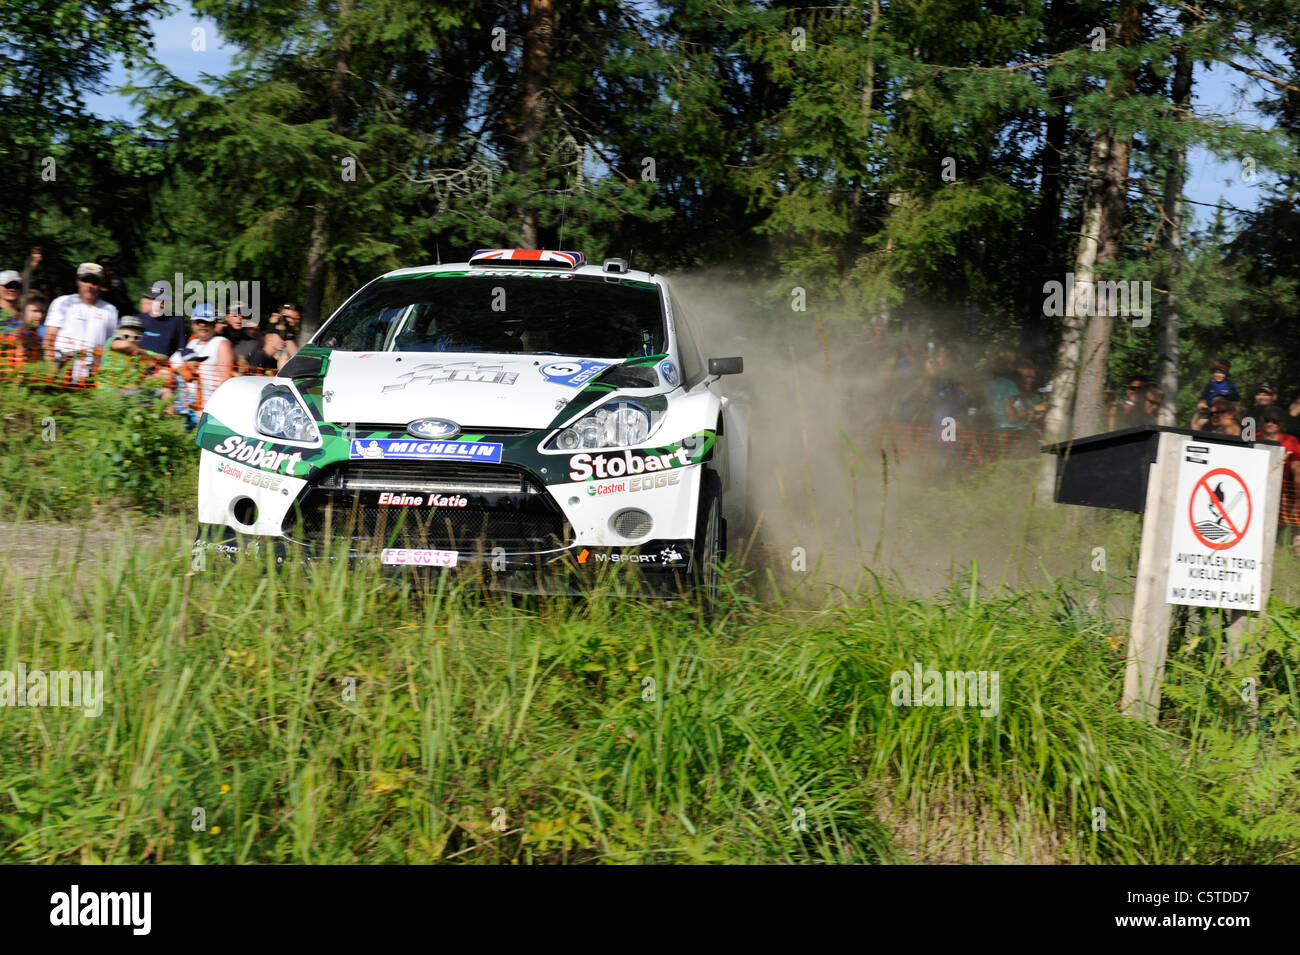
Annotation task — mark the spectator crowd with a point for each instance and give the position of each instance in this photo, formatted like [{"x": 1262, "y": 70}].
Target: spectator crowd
[
  {"x": 95, "y": 337},
  {"x": 960, "y": 418}
]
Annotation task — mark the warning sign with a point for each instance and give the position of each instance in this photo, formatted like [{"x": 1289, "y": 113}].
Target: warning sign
[
  {"x": 1217, "y": 552},
  {"x": 1212, "y": 509}
]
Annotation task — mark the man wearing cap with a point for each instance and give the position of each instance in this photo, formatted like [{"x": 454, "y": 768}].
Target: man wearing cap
[
  {"x": 1265, "y": 397},
  {"x": 214, "y": 351},
  {"x": 163, "y": 334},
  {"x": 125, "y": 363},
  {"x": 80, "y": 324},
  {"x": 11, "y": 289}
]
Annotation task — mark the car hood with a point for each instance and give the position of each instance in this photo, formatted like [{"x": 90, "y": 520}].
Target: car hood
[{"x": 473, "y": 390}]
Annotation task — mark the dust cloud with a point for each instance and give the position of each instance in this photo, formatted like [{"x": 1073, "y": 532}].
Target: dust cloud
[{"x": 836, "y": 495}]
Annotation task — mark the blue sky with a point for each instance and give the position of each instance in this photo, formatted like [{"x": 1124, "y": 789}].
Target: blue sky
[
  {"x": 173, "y": 46},
  {"x": 1209, "y": 180}
]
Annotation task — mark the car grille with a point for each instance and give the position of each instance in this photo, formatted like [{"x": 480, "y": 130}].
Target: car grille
[
  {"x": 428, "y": 476},
  {"x": 503, "y": 507},
  {"x": 380, "y": 427}
]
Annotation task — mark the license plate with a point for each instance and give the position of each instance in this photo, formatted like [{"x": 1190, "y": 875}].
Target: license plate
[{"x": 419, "y": 558}]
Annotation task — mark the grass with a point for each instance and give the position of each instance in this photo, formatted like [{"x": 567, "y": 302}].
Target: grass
[
  {"x": 68, "y": 454},
  {"x": 340, "y": 718},
  {"x": 228, "y": 691}
]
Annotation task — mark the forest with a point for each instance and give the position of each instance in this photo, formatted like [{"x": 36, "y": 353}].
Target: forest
[{"x": 939, "y": 169}]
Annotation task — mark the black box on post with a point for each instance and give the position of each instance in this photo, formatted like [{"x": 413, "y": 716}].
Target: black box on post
[{"x": 1111, "y": 469}]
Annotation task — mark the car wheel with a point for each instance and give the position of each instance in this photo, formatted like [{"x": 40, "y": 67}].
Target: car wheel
[{"x": 710, "y": 542}]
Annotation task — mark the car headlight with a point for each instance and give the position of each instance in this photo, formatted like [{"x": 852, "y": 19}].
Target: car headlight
[
  {"x": 618, "y": 424},
  {"x": 280, "y": 416}
]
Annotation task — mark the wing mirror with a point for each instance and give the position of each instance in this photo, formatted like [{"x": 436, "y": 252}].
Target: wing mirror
[{"x": 726, "y": 366}]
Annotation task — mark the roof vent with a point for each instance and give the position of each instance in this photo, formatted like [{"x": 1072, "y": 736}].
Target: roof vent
[{"x": 615, "y": 265}]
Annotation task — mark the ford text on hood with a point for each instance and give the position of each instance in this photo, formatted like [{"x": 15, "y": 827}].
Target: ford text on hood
[{"x": 523, "y": 411}]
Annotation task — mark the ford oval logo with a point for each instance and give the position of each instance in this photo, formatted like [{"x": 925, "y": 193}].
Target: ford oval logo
[{"x": 433, "y": 428}]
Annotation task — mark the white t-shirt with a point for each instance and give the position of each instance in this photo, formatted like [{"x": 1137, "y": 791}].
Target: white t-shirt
[
  {"x": 80, "y": 326},
  {"x": 211, "y": 372}
]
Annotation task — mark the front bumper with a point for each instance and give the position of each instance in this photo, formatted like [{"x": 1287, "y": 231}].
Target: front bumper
[
  {"x": 663, "y": 567},
  {"x": 409, "y": 516}
]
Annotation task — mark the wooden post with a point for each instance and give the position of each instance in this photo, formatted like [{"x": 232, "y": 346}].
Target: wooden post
[
  {"x": 1149, "y": 635},
  {"x": 1238, "y": 625}
]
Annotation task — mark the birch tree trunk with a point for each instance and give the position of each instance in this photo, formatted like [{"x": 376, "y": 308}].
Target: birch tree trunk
[
  {"x": 1057, "y": 423},
  {"x": 1175, "y": 178},
  {"x": 1090, "y": 402}
]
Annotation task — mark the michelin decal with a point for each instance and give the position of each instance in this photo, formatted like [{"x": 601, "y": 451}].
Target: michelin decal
[{"x": 379, "y": 449}]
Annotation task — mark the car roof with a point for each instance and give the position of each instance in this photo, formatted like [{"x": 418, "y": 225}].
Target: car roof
[{"x": 592, "y": 271}]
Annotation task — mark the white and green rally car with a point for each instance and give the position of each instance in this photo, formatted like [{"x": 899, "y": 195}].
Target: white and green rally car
[{"x": 523, "y": 410}]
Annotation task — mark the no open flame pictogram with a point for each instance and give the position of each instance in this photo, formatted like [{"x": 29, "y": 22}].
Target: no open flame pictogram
[{"x": 1220, "y": 509}]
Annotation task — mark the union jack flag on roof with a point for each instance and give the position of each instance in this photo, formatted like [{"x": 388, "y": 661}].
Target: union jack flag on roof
[{"x": 529, "y": 257}]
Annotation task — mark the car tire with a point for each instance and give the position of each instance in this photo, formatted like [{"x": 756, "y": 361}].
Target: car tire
[{"x": 710, "y": 543}]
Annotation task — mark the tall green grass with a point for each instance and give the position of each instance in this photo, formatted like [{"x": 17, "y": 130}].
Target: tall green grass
[
  {"x": 491, "y": 729},
  {"x": 72, "y": 454},
  {"x": 226, "y": 690}
]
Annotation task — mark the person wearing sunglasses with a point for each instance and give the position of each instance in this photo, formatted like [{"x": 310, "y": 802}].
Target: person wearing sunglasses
[
  {"x": 1152, "y": 398},
  {"x": 214, "y": 350},
  {"x": 1131, "y": 411},
  {"x": 81, "y": 324},
  {"x": 126, "y": 363}
]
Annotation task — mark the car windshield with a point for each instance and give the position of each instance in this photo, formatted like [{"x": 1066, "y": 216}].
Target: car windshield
[{"x": 512, "y": 314}]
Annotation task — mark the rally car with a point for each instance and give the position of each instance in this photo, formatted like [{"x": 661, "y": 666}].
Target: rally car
[{"x": 524, "y": 411}]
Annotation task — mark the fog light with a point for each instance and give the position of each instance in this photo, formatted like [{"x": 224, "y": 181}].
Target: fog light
[
  {"x": 631, "y": 523},
  {"x": 244, "y": 510}
]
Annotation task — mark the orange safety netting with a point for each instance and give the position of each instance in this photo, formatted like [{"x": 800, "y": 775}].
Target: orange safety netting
[
  {"x": 1290, "y": 511},
  {"x": 971, "y": 449},
  {"x": 21, "y": 359}
]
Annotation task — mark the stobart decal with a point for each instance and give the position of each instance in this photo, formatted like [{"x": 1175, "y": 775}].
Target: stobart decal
[
  {"x": 584, "y": 466},
  {"x": 260, "y": 455}
]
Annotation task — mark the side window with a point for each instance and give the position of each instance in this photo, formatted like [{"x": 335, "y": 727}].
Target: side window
[{"x": 689, "y": 353}]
